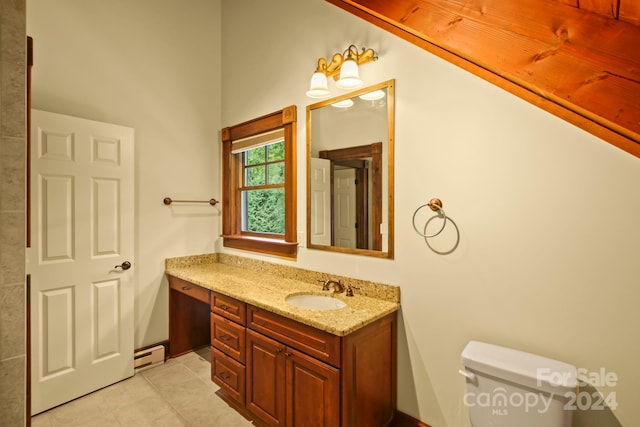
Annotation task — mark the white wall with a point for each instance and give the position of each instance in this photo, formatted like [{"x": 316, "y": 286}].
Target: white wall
[
  {"x": 547, "y": 214},
  {"x": 153, "y": 65}
]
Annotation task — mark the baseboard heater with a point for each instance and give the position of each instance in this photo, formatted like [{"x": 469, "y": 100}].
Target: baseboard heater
[{"x": 148, "y": 358}]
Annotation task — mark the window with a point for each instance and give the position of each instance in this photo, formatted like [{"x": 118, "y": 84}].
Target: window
[
  {"x": 262, "y": 188},
  {"x": 259, "y": 184}
]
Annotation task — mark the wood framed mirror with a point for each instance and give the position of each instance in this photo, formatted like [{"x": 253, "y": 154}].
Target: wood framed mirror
[{"x": 350, "y": 172}]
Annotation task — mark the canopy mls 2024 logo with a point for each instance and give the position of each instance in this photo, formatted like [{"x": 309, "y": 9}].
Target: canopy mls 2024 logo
[{"x": 500, "y": 401}]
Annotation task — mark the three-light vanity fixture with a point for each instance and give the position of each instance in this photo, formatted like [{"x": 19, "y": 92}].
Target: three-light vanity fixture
[{"x": 343, "y": 68}]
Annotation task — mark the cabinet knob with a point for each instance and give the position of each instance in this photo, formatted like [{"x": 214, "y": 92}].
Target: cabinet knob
[
  {"x": 287, "y": 354},
  {"x": 223, "y": 307},
  {"x": 224, "y": 375},
  {"x": 224, "y": 338},
  {"x": 279, "y": 350}
]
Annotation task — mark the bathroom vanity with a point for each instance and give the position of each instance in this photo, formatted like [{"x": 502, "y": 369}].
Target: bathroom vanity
[{"x": 281, "y": 364}]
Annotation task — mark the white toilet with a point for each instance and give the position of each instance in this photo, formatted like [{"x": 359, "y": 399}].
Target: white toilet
[{"x": 511, "y": 388}]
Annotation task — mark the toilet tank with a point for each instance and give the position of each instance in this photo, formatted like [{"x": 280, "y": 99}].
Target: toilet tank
[{"x": 507, "y": 387}]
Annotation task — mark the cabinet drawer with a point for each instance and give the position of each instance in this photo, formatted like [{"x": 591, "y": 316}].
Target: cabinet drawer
[
  {"x": 319, "y": 344},
  {"x": 228, "y": 374},
  {"x": 229, "y": 307},
  {"x": 187, "y": 288},
  {"x": 228, "y": 337}
]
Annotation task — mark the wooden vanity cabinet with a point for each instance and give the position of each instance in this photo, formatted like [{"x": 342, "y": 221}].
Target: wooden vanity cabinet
[
  {"x": 298, "y": 375},
  {"x": 312, "y": 391},
  {"x": 229, "y": 308},
  {"x": 265, "y": 379},
  {"x": 229, "y": 374},
  {"x": 283, "y": 372},
  {"x": 228, "y": 337},
  {"x": 188, "y": 316},
  {"x": 368, "y": 380},
  {"x": 228, "y": 348},
  {"x": 288, "y": 387},
  {"x": 314, "y": 342}
]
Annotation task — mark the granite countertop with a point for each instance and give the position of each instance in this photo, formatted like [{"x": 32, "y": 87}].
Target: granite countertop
[{"x": 268, "y": 291}]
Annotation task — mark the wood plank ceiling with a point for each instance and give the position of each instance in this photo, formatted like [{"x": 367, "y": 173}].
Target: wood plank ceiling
[
  {"x": 578, "y": 59},
  {"x": 627, "y": 10}
]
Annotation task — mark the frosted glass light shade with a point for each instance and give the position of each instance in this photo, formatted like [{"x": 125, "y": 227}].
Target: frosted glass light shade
[
  {"x": 349, "y": 77},
  {"x": 318, "y": 87}
]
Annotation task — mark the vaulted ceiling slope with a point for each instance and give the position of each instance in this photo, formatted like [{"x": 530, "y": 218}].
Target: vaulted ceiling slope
[{"x": 579, "y": 63}]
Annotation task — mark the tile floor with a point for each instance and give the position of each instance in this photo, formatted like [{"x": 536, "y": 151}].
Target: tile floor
[{"x": 176, "y": 394}]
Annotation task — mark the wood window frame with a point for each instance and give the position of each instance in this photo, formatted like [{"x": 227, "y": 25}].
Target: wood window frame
[{"x": 232, "y": 169}]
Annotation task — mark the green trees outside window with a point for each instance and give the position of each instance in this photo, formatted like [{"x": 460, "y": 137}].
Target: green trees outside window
[{"x": 263, "y": 198}]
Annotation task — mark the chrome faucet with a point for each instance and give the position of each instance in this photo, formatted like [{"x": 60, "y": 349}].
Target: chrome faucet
[{"x": 338, "y": 287}]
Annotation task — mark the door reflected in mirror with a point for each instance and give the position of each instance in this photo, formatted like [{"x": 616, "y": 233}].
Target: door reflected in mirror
[{"x": 350, "y": 172}]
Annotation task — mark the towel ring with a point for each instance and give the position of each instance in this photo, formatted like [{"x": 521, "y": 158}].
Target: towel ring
[{"x": 436, "y": 206}]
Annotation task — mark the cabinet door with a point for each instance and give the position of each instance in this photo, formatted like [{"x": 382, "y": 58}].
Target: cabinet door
[
  {"x": 312, "y": 391},
  {"x": 369, "y": 374},
  {"x": 265, "y": 393}
]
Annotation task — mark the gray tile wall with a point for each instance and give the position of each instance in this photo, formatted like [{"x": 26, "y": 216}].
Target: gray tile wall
[{"x": 12, "y": 211}]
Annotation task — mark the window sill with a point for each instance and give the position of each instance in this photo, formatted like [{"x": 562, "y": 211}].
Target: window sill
[{"x": 262, "y": 245}]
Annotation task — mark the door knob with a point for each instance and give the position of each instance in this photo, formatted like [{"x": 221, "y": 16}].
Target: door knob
[{"x": 124, "y": 266}]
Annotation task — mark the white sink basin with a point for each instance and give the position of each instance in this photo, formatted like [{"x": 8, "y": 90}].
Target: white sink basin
[{"x": 315, "y": 302}]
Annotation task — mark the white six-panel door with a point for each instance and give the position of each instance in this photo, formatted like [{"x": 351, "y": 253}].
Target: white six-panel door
[
  {"x": 82, "y": 222},
  {"x": 320, "y": 201},
  {"x": 344, "y": 200}
]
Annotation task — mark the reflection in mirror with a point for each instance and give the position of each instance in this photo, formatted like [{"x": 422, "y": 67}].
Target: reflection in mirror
[{"x": 350, "y": 172}]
